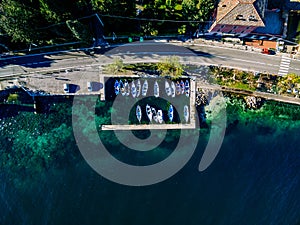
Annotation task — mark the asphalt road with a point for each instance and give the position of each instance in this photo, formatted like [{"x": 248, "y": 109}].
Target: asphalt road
[{"x": 145, "y": 52}]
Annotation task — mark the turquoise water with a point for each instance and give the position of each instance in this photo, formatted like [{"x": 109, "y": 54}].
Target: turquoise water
[{"x": 255, "y": 179}]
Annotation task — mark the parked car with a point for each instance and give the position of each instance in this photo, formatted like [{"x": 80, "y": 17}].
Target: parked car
[
  {"x": 89, "y": 86},
  {"x": 268, "y": 51},
  {"x": 66, "y": 88}
]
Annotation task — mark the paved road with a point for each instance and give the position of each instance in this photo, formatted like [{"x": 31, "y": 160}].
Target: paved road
[{"x": 142, "y": 52}]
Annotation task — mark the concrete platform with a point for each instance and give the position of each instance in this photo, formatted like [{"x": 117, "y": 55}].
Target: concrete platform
[{"x": 149, "y": 127}]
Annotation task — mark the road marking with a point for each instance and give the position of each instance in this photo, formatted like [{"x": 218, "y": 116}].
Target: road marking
[{"x": 284, "y": 65}]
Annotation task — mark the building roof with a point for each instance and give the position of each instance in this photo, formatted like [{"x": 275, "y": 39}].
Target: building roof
[{"x": 240, "y": 13}]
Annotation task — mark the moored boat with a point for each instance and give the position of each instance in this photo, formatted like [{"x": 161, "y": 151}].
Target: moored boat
[
  {"x": 173, "y": 89},
  {"x": 160, "y": 117},
  {"x": 156, "y": 89},
  {"x": 182, "y": 86},
  {"x": 145, "y": 88},
  {"x": 139, "y": 113},
  {"x": 133, "y": 89},
  {"x": 149, "y": 112},
  {"x": 187, "y": 88},
  {"x": 117, "y": 87},
  {"x": 167, "y": 88},
  {"x": 122, "y": 88},
  {"x": 138, "y": 88},
  {"x": 154, "y": 115},
  {"x": 171, "y": 113},
  {"x": 186, "y": 113},
  {"x": 178, "y": 89},
  {"x": 127, "y": 88}
]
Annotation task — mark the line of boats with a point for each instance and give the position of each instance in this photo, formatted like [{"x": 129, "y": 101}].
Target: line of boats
[
  {"x": 136, "y": 88},
  {"x": 157, "y": 115}
]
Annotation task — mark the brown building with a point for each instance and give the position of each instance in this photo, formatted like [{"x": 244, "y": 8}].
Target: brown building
[{"x": 239, "y": 16}]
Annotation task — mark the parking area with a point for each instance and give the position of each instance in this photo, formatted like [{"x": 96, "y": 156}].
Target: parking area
[{"x": 83, "y": 81}]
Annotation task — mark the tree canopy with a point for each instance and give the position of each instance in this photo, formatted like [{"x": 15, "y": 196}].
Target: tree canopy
[{"x": 42, "y": 21}]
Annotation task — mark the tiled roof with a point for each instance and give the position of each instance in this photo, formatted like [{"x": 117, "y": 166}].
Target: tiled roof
[{"x": 238, "y": 12}]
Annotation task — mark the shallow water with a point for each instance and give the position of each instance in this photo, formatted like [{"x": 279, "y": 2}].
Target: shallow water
[{"x": 255, "y": 179}]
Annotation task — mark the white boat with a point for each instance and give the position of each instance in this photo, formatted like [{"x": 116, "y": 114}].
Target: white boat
[
  {"x": 156, "y": 89},
  {"x": 149, "y": 112},
  {"x": 145, "y": 88},
  {"x": 182, "y": 86},
  {"x": 173, "y": 90},
  {"x": 133, "y": 89},
  {"x": 139, "y": 113},
  {"x": 138, "y": 88},
  {"x": 127, "y": 88},
  {"x": 187, "y": 88},
  {"x": 186, "y": 113},
  {"x": 167, "y": 88},
  {"x": 171, "y": 113},
  {"x": 117, "y": 87},
  {"x": 178, "y": 89},
  {"x": 160, "y": 118},
  {"x": 154, "y": 115}
]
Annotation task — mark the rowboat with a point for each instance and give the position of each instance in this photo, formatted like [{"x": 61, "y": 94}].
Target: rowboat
[
  {"x": 138, "y": 88},
  {"x": 145, "y": 88},
  {"x": 171, "y": 113},
  {"x": 187, "y": 88},
  {"x": 117, "y": 87},
  {"x": 173, "y": 89},
  {"x": 156, "y": 89},
  {"x": 167, "y": 88},
  {"x": 133, "y": 89},
  {"x": 149, "y": 112},
  {"x": 186, "y": 113},
  {"x": 139, "y": 113},
  {"x": 160, "y": 116}
]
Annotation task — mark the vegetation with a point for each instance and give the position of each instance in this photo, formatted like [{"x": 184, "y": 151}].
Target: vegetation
[
  {"x": 57, "y": 21},
  {"x": 234, "y": 78},
  {"x": 115, "y": 67},
  {"x": 171, "y": 67}
]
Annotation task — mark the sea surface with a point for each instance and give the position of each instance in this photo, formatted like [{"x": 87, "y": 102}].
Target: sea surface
[{"x": 255, "y": 179}]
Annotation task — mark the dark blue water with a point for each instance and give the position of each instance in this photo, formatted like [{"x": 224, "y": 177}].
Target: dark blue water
[{"x": 255, "y": 179}]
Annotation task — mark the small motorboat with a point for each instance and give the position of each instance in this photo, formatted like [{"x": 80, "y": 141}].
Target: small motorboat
[
  {"x": 139, "y": 113},
  {"x": 145, "y": 88},
  {"x": 160, "y": 118},
  {"x": 138, "y": 88},
  {"x": 171, "y": 113},
  {"x": 186, "y": 113},
  {"x": 117, "y": 87},
  {"x": 149, "y": 112},
  {"x": 182, "y": 86},
  {"x": 168, "y": 88},
  {"x": 127, "y": 88},
  {"x": 154, "y": 115},
  {"x": 187, "y": 88},
  {"x": 173, "y": 90},
  {"x": 178, "y": 89},
  {"x": 133, "y": 89},
  {"x": 156, "y": 89}
]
